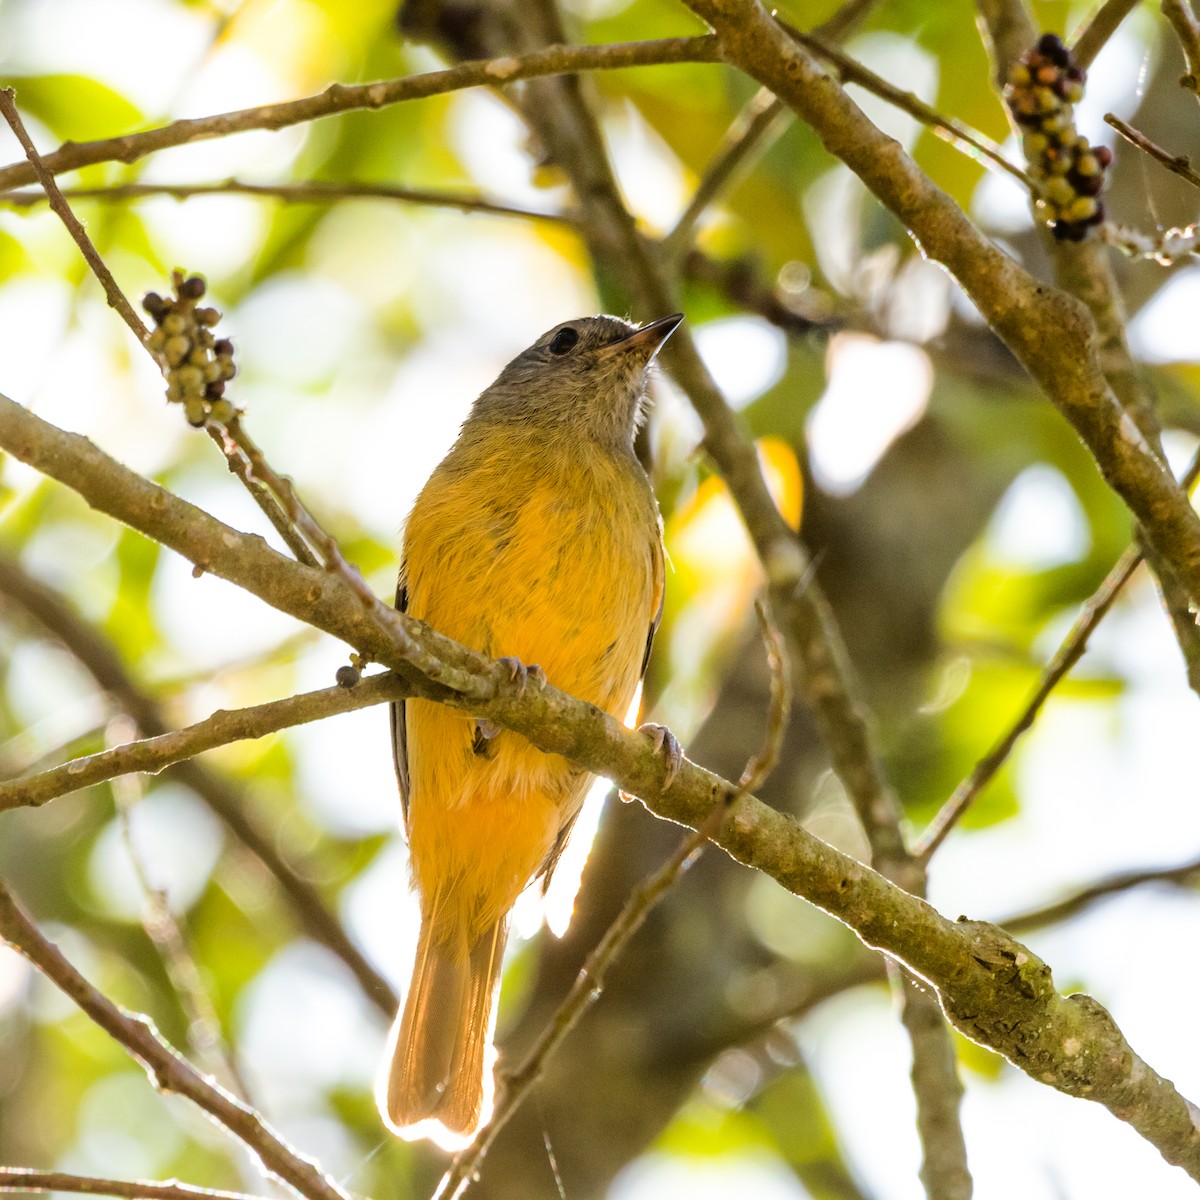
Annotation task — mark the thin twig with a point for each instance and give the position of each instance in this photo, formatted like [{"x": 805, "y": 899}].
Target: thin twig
[
  {"x": 852, "y": 13},
  {"x": 331, "y": 558},
  {"x": 588, "y": 985},
  {"x": 116, "y": 298},
  {"x": 239, "y": 466},
  {"x": 305, "y": 524},
  {"x": 746, "y": 139},
  {"x": 1183, "y": 875},
  {"x": 1065, "y": 657},
  {"x": 152, "y": 754},
  {"x": 168, "y": 1070},
  {"x": 24, "y": 1179},
  {"x": 645, "y": 897},
  {"x": 949, "y": 128},
  {"x": 99, "y": 658},
  {"x": 314, "y": 191},
  {"x": 1069, "y": 652},
  {"x": 1165, "y": 247},
  {"x": 993, "y": 988},
  {"x": 752, "y": 131},
  {"x": 1183, "y": 20},
  {"x": 1104, "y": 23},
  {"x": 1178, "y": 164},
  {"x": 204, "y": 1035},
  {"x": 779, "y": 665},
  {"x": 342, "y": 98},
  {"x": 114, "y": 295}
]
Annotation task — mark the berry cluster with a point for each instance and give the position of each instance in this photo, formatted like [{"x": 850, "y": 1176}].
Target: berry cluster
[
  {"x": 197, "y": 365},
  {"x": 1041, "y": 92}
]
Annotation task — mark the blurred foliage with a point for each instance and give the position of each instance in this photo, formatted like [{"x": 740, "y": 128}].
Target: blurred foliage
[{"x": 364, "y": 328}]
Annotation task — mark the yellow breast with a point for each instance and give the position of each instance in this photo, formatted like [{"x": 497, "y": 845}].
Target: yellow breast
[{"x": 549, "y": 552}]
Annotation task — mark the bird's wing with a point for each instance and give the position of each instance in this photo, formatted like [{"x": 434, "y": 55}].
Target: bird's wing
[
  {"x": 657, "y": 596},
  {"x": 660, "y": 594},
  {"x": 399, "y": 735}
]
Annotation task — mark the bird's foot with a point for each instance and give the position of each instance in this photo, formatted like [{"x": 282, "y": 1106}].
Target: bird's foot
[
  {"x": 520, "y": 674},
  {"x": 666, "y": 744}
]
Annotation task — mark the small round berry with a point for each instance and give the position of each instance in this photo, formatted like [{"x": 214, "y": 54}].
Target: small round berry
[
  {"x": 191, "y": 379},
  {"x": 196, "y": 411},
  {"x": 155, "y": 305},
  {"x": 192, "y": 288},
  {"x": 1051, "y": 45},
  {"x": 207, "y": 316},
  {"x": 1058, "y": 191},
  {"x": 1083, "y": 208},
  {"x": 347, "y": 676},
  {"x": 222, "y": 411},
  {"x": 176, "y": 349}
]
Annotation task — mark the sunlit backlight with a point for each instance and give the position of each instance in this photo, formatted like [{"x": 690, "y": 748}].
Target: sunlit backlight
[
  {"x": 895, "y": 57},
  {"x": 556, "y": 905},
  {"x": 1165, "y": 330},
  {"x": 1038, "y": 523},
  {"x": 178, "y": 842},
  {"x": 877, "y": 391},
  {"x": 14, "y": 975},
  {"x": 706, "y": 1177},
  {"x": 746, "y": 356},
  {"x": 655, "y": 184}
]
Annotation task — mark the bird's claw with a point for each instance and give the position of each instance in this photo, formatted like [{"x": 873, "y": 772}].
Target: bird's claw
[
  {"x": 666, "y": 744},
  {"x": 520, "y": 674}
]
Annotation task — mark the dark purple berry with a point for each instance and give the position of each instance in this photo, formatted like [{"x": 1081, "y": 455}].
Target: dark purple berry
[{"x": 1051, "y": 45}]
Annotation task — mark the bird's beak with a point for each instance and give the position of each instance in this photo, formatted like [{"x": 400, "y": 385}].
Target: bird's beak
[{"x": 648, "y": 339}]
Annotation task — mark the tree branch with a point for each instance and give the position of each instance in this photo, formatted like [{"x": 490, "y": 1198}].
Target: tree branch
[
  {"x": 1184, "y": 875},
  {"x": 1104, "y": 23},
  {"x": 1038, "y": 323},
  {"x": 1187, "y": 29},
  {"x": 586, "y": 989},
  {"x": 340, "y": 98},
  {"x": 24, "y": 1179},
  {"x": 101, "y": 661},
  {"x": 568, "y": 127},
  {"x": 1084, "y": 270},
  {"x": 314, "y": 191},
  {"x": 168, "y": 1071},
  {"x": 1179, "y": 164},
  {"x": 992, "y": 988},
  {"x": 152, "y": 754},
  {"x": 114, "y": 295}
]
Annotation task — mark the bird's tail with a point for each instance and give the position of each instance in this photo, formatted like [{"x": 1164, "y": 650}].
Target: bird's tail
[{"x": 439, "y": 1076}]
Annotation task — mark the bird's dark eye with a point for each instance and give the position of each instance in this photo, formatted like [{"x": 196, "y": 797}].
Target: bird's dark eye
[{"x": 563, "y": 340}]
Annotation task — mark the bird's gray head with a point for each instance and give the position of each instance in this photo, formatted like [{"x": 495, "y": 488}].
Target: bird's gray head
[{"x": 586, "y": 376}]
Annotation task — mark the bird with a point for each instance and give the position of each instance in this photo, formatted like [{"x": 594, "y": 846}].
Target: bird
[{"x": 537, "y": 541}]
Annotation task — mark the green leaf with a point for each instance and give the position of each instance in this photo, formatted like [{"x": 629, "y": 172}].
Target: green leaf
[{"x": 75, "y": 107}]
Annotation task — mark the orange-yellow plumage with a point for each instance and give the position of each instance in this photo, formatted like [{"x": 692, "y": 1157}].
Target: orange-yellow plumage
[{"x": 536, "y": 539}]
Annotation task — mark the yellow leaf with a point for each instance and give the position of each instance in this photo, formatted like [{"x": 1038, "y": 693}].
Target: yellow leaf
[{"x": 784, "y": 479}]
